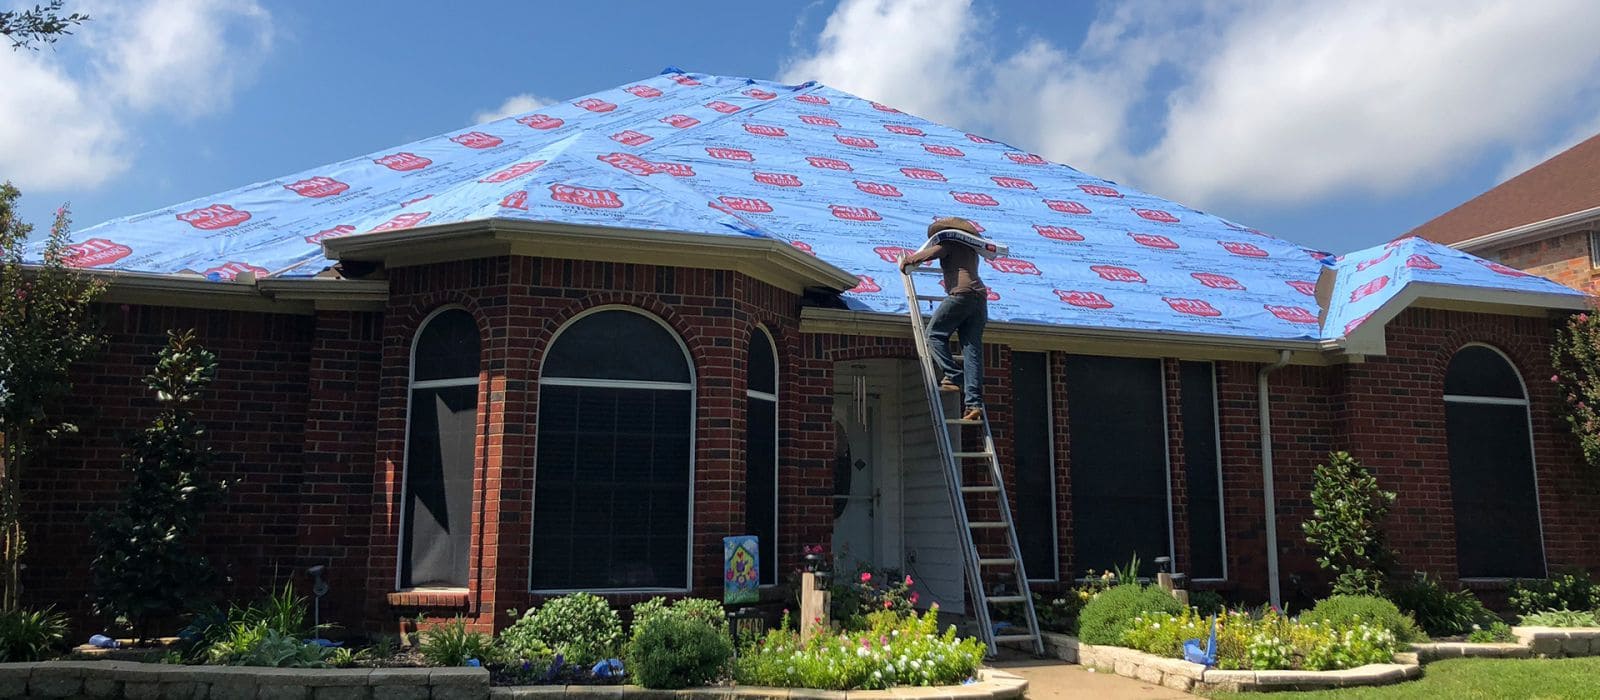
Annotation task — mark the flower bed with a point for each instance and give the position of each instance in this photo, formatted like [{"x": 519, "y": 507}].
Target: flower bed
[{"x": 894, "y": 650}]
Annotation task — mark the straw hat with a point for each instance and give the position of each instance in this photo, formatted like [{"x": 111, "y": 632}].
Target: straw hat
[{"x": 954, "y": 222}]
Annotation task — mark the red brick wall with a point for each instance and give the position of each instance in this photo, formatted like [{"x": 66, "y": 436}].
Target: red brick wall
[{"x": 1563, "y": 258}]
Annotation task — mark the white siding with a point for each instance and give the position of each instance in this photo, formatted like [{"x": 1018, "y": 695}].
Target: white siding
[{"x": 928, "y": 530}]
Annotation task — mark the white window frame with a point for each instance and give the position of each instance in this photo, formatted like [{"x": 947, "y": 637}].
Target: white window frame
[
  {"x": 1533, "y": 456},
  {"x": 777, "y": 386},
  {"x": 1222, "y": 493},
  {"x": 405, "y": 450},
  {"x": 694, "y": 415},
  {"x": 1594, "y": 249}
]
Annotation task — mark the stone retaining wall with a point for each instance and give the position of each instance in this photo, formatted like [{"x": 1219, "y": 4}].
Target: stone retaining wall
[
  {"x": 125, "y": 679},
  {"x": 991, "y": 685}
]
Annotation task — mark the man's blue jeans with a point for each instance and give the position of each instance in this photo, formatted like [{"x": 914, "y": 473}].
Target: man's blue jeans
[{"x": 965, "y": 315}]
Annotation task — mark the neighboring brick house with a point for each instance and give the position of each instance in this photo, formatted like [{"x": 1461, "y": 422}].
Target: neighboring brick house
[
  {"x": 1545, "y": 220},
  {"x": 492, "y": 407}
]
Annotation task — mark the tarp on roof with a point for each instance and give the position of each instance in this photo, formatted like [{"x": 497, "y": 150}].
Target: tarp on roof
[{"x": 848, "y": 180}]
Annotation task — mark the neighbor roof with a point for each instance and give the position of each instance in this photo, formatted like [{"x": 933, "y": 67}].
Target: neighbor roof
[
  {"x": 850, "y": 181},
  {"x": 1565, "y": 184}
]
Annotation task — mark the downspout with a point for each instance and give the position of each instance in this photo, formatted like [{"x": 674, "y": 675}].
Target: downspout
[{"x": 1263, "y": 403}]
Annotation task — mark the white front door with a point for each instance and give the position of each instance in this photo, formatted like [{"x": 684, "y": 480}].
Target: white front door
[{"x": 856, "y": 493}]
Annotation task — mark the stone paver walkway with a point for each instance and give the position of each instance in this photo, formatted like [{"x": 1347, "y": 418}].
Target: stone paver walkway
[{"x": 1050, "y": 679}]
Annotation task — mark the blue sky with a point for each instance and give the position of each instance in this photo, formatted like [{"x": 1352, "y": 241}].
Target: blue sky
[{"x": 1335, "y": 125}]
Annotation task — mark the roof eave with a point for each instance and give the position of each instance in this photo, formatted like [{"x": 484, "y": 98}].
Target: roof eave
[
  {"x": 276, "y": 295},
  {"x": 1369, "y": 337},
  {"x": 1527, "y": 232}
]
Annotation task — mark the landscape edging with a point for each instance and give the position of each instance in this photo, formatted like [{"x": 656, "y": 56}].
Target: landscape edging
[
  {"x": 991, "y": 684},
  {"x": 129, "y": 679}
]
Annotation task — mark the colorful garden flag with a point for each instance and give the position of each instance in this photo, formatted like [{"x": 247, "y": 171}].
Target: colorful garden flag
[{"x": 741, "y": 578}]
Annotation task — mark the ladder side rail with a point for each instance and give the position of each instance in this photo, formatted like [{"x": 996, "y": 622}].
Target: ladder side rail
[{"x": 1023, "y": 586}]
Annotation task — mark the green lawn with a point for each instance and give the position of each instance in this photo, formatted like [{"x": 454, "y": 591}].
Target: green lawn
[{"x": 1471, "y": 679}]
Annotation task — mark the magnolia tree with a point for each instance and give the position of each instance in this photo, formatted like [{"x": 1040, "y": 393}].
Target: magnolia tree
[
  {"x": 1346, "y": 525},
  {"x": 45, "y": 327},
  {"x": 1576, "y": 357}
]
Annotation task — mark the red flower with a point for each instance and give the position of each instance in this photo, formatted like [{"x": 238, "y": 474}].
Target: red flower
[{"x": 866, "y": 576}]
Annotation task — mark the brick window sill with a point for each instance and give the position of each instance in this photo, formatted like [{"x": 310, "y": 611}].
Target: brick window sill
[{"x": 429, "y": 598}]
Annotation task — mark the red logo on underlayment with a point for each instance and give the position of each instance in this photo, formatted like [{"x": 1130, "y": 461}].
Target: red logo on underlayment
[
  {"x": 1216, "y": 281},
  {"x": 1352, "y": 325},
  {"x": 903, "y": 130},
  {"x": 1059, "y": 233},
  {"x": 95, "y": 252},
  {"x": 401, "y": 221},
  {"x": 316, "y": 187},
  {"x": 1014, "y": 266},
  {"x": 403, "y": 161},
  {"x": 746, "y": 204},
  {"x": 229, "y": 271},
  {"x": 1153, "y": 240},
  {"x": 891, "y": 253},
  {"x": 414, "y": 200},
  {"x": 812, "y": 99},
  {"x": 1307, "y": 288},
  {"x": 760, "y": 94},
  {"x": 765, "y": 130},
  {"x": 1193, "y": 307},
  {"x": 1156, "y": 215},
  {"x": 644, "y": 91},
  {"x": 540, "y": 121},
  {"x": 681, "y": 121},
  {"x": 815, "y": 120},
  {"x": 513, "y": 172},
  {"x": 1369, "y": 288},
  {"x": 515, "y": 200},
  {"x": 682, "y": 79},
  {"x": 854, "y": 213},
  {"x": 730, "y": 154},
  {"x": 723, "y": 107},
  {"x": 878, "y": 188},
  {"x": 1418, "y": 261},
  {"x": 1249, "y": 250},
  {"x": 1292, "y": 314},
  {"x": 628, "y": 162},
  {"x": 1087, "y": 300},
  {"x": 1502, "y": 269},
  {"x": 924, "y": 174},
  {"x": 804, "y": 247},
  {"x": 335, "y": 232},
  {"x": 214, "y": 217},
  {"x": 1116, "y": 273},
  {"x": 1026, "y": 159},
  {"x": 1013, "y": 183},
  {"x": 855, "y": 141},
  {"x": 1364, "y": 264},
  {"x": 1066, "y": 206},
  {"x": 1100, "y": 190},
  {"x": 885, "y": 108},
  {"x": 978, "y": 199},
  {"x": 630, "y": 138},
  {"x": 939, "y": 150},
  {"x": 828, "y": 163},
  {"x": 586, "y": 197},
  {"x": 1391, "y": 245},
  {"x": 865, "y": 285},
  {"x": 979, "y": 139},
  {"x": 595, "y": 104},
  {"x": 673, "y": 169},
  {"x": 778, "y": 179},
  {"x": 477, "y": 139}
]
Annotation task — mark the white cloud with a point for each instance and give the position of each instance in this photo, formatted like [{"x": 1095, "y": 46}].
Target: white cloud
[
  {"x": 66, "y": 115},
  {"x": 514, "y": 105},
  {"x": 1528, "y": 156},
  {"x": 1249, "y": 101}
]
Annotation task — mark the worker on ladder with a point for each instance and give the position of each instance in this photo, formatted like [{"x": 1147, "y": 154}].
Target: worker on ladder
[{"x": 964, "y": 311}]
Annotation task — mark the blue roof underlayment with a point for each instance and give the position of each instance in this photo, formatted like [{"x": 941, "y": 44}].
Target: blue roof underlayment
[{"x": 851, "y": 181}]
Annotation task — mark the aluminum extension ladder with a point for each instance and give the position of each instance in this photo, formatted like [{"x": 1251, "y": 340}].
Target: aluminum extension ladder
[{"x": 953, "y": 459}]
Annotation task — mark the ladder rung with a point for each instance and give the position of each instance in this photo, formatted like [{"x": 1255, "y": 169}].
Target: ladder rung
[
  {"x": 971, "y": 455},
  {"x": 997, "y": 562},
  {"x": 980, "y": 489},
  {"x": 1003, "y": 638},
  {"x": 986, "y": 525},
  {"x": 1003, "y": 599},
  {"x": 962, "y": 421}
]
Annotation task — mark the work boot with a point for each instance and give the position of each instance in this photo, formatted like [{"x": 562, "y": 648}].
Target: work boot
[
  {"x": 973, "y": 414},
  {"x": 947, "y": 385}
]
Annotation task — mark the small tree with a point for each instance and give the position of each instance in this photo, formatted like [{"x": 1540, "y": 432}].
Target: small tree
[
  {"x": 42, "y": 24},
  {"x": 145, "y": 566},
  {"x": 1346, "y": 524},
  {"x": 1575, "y": 354},
  {"x": 45, "y": 327}
]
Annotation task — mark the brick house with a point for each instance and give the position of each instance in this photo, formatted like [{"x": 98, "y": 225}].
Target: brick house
[
  {"x": 494, "y": 394},
  {"x": 1545, "y": 220}
]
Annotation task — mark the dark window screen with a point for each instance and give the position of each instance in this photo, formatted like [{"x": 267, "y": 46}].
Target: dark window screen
[
  {"x": 763, "y": 368},
  {"x": 611, "y": 505},
  {"x": 761, "y": 457},
  {"x": 447, "y": 348},
  {"x": 1119, "y": 463},
  {"x": 1480, "y": 371},
  {"x": 1035, "y": 495},
  {"x": 438, "y": 500},
  {"x": 1198, "y": 389},
  {"x": 1491, "y": 470},
  {"x": 619, "y": 345}
]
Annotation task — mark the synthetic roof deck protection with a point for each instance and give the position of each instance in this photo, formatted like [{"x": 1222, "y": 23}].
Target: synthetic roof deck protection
[{"x": 848, "y": 180}]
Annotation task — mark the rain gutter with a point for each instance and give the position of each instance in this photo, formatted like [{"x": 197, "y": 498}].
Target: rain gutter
[{"x": 1270, "y": 498}]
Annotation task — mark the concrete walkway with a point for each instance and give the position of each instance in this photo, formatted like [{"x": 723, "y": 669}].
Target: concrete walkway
[{"x": 1051, "y": 679}]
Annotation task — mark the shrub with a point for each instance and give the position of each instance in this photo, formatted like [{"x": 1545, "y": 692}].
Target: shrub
[
  {"x": 1109, "y": 614},
  {"x": 1365, "y": 609},
  {"x": 672, "y": 652},
  {"x": 1207, "y": 602},
  {"x": 452, "y": 644},
  {"x": 30, "y": 635},
  {"x": 702, "y": 610},
  {"x": 1496, "y": 632},
  {"x": 912, "y": 653},
  {"x": 1440, "y": 612},
  {"x": 258, "y": 644},
  {"x": 581, "y": 627},
  {"x": 281, "y": 610},
  {"x": 1560, "y": 618},
  {"x": 1569, "y": 591},
  {"x": 521, "y": 642},
  {"x": 1575, "y": 354},
  {"x": 1346, "y": 525},
  {"x": 856, "y": 597}
]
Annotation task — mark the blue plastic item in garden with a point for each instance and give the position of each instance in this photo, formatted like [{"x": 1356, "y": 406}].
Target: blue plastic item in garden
[
  {"x": 610, "y": 668},
  {"x": 556, "y": 665},
  {"x": 104, "y": 642},
  {"x": 1207, "y": 656}
]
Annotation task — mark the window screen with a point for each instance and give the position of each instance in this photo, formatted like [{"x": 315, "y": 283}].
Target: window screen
[
  {"x": 1036, "y": 483},
  {"x": 1119, "y": 462},
  {"x": 1491, "y": 468},
  {"x": 1480, "y": 371},
  {"x": 1201, "y": 472},
  {"x": 617, "y": 345},
  {"x": 440, "y": 454},
  {"x": 761, "y": 454}
]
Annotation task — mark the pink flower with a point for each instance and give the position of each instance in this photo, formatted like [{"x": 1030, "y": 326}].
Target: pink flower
[
  {"x": 1583, "y": 318},
  {"x": 913, "y": 599},
  {"x": 866, "y": 576},
  {"x": 888, "y": 604},
  {"x": 908, "y": 579},
  {"x": 1555, "y": 377}
]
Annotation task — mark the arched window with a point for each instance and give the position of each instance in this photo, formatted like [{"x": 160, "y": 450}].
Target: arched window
[
  {"x": 761, "y": 451},
  {"x": 1489, "y": 434},
  {"x": 615, "y": 456},
  {"x": 441, "y": 431}
]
